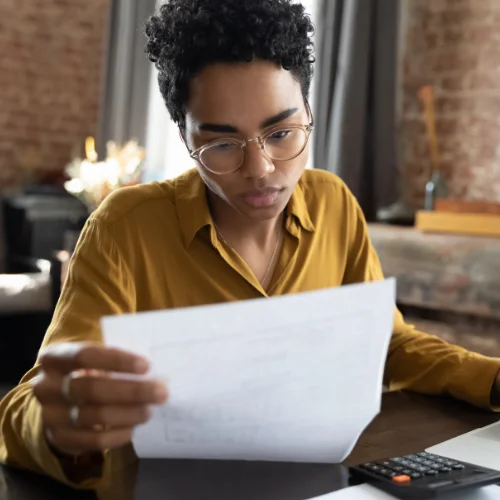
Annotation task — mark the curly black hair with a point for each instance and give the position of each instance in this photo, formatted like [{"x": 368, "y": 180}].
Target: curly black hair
[{"x": 185, "y": 36}]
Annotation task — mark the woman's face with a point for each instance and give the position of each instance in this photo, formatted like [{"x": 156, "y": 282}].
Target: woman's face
[{"x": 242, "y": 101}]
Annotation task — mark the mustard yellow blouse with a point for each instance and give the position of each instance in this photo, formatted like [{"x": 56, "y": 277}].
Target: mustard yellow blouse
[{"x": 154, "y": 247}]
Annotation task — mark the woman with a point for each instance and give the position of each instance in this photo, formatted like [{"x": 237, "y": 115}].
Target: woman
[{"x": 248, "y": 222}]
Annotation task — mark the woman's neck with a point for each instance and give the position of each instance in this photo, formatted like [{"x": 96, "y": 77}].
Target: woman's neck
[{"x": 236, "y": 228}]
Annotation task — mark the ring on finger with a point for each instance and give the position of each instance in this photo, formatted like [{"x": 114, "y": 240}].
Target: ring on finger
[
  {"x": 67, "y": 379},
  {"x": 74, "y": 415},
  {"x": 66, "y": 387}
]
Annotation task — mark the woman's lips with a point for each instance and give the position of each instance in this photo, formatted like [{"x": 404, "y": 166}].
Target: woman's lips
[{"x": 262, "y": 198}]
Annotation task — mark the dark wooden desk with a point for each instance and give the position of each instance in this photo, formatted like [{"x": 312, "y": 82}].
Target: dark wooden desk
[{"x": 408, "y": 423}]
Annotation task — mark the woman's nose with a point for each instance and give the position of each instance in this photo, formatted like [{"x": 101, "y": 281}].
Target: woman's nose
[{"x": 257, "y": 163}]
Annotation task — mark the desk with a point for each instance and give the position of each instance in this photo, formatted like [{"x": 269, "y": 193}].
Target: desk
[{"x": 408, "y": 423}]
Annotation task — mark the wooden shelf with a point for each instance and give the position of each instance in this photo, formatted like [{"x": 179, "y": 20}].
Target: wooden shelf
[
  {"x": 458, "y": 223},
  {"x": 469, "y": 207}
]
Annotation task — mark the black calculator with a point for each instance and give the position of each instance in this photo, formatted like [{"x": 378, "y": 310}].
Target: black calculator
[{"x": 423, "y": 475}]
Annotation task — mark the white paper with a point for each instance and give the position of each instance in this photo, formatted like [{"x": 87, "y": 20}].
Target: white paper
[
  {"x": 362, "y": 492},
  {"x": 479, "y": 447},
  {"x": 291, "y": 378},
  {"x": 367, "y": 492}
]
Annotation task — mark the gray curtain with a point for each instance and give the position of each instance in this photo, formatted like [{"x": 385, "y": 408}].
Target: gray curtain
[
  {"x": 127, "y": 71},
  {"x": 357, "y": 51}
]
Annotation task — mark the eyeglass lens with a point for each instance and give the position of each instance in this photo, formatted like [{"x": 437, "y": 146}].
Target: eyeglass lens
[{"x": 227, "y": 155}]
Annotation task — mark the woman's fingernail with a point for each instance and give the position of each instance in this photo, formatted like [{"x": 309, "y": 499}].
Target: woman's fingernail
[
  {"x": 160, "y": 392},
  {"x": 141, "y": 365}
]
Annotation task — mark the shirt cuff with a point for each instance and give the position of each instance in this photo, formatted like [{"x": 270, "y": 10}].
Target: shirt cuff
[{"x": 474, "y": 379}]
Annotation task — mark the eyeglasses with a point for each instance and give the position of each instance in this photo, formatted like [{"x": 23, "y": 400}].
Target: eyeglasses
[{"x": 225, "y": 156}]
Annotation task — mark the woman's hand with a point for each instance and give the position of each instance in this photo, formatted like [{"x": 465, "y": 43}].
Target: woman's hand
[{"x": 92, "y": 396}]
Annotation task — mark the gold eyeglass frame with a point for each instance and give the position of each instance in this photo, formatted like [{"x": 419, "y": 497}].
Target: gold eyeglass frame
[{"x": 260, "y": 139}]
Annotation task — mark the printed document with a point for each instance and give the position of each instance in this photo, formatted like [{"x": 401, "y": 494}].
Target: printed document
[{"x": 294, "y": 378}]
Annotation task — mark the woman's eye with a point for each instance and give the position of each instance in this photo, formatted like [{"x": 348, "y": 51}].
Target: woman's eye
[
  {"x": 280, "y": 134},
  {"x": 224, "y": 146}
]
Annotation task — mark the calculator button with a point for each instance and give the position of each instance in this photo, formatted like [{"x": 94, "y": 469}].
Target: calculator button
[
  {"x": 445, "y": 469},
  {"x": 398, "y": 460},
  {"x": 431, "y": 472},
  {"x": 449, "y": 463},
  {"x": 403, "y": 479},
  {"x": 436, "y": 466},
  {"x": 458, "y": 467},
  {"x": 419, "y": 460},
  {"x": 397, "y": 468},
  {"x": 415, "y": 475},
  {"x": 428, "y": 463},
  {"x": 386, "y": 464},
  {"x": 422, "y": 469},
  {"x": 384, "y": 472},
  {"x": 411, "y": 457},
  {"x": 406, "y": 472},
  {"x": 424, "y": 454}
]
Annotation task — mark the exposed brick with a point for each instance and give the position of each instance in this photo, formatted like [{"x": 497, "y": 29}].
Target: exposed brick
[
  {"x": 450, "y": 59},
  {"x": 432, "y": 39},
  {"x": 50, "y": 76},
  {"x": 488, "y": 105},
  {"x": 447, "y": 126},
  {"x": 421, "y": 151},
  {"x": 453, "y": 45},
  {"x": 454, "y": 83},
  {"x": 453, "y": 104},
  {"x": 484, "y": 80},
  {"x": 454, "y": 17},
  {"x": 453, "y": 37},
  {"x": 412, "y": 126}
]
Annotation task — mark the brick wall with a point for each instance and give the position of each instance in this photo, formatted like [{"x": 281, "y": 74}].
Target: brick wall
[
  {"x": 50, "y": 72},
  {"x": 453, "y": 45}
]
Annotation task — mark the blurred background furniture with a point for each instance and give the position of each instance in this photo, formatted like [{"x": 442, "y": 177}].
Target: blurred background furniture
[
  {"x": 34, "y": 228},
  {"x": 448, "y": 284},
  {"x": 26, "y": 304},
  {"x": 36, "y": 222}
]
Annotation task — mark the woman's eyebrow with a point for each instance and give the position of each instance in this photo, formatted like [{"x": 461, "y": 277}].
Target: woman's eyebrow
[
  {"x": 273, "y": 120},
  {"x": 231, "y": 129},
  {"x": 218, "y": 128}
]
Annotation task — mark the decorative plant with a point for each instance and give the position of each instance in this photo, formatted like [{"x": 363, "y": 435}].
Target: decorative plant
[{"x": 92, "y": 180}]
